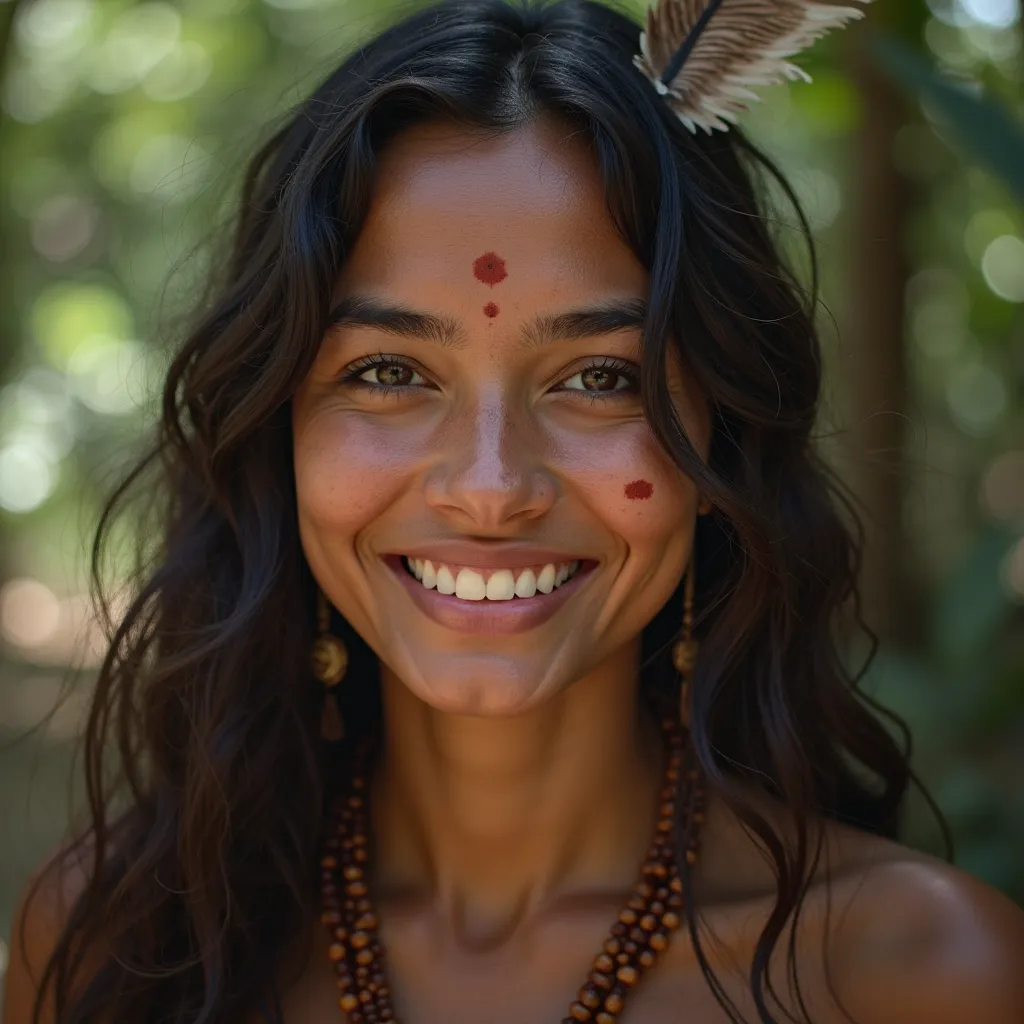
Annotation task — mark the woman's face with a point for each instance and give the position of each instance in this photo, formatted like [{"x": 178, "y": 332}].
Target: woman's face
[{"x": 493, "y": 430}]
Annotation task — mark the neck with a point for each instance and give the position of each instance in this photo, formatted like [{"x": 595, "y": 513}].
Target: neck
[{"x": 491, "y": 820}]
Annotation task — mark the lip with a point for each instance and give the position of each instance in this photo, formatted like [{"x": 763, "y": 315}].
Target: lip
[{"x": 490, "y": 617}]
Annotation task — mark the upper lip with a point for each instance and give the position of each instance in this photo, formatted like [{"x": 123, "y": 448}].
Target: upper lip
[{"x": 487, "y": 556}]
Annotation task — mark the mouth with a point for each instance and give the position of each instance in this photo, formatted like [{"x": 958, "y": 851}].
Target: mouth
[{"x": 469, "y": 599}]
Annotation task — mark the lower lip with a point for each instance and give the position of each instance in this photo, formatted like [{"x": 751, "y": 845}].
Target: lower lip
[{"x": 501, "y": 617}]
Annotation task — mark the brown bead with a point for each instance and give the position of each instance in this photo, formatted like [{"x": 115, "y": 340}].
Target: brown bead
[
  {"x": 579, "y": 1012},
  {"x": 667, "y": 809},
  {"x": 638, "y": 935},
  {"x": 664, "y": 824},
  {"x": 658, "y": 942},
  {"x": 360, "y": 940},
  {"x": 603, "y": 962},
  {"x": 348, "y": 1002},
  {"x": 644, "y": 889},
  {"x": 352, "y": 872},
  {"x": 636, "y": 903},
  {"x": 365, "y": 996},
  {"x": 619, "y": 929},
  {"x": 329, "y": 861},
  {"x": 613, "y": 1002},
  {"x": 658, "y": 908},
  {"x": 601, "y": 980},
  {"x": 367, "y": 921},
  {"x": 648, "y": 922},
  {"x": 628, "y": 916},
  {"x": 676, "y": 885},
  {"x": 356, "y": 888},
  {"x": 646, "y": 958},
  {"x": 627, "y": 975},
  {"x": 590, "y": 997},
  {"x": 329, "y": 917},
  {"x": 336, "y": 951},
  {"x": 612, "y": 946},
  {"x": 670, "y": 920},
  {"x": 360, "y": 854},
  {"x": 604, "y": 1018},
  {"x": 364, "y": 957},
  {"x": 622, "y": 959},
  {"x": 675, "y": 901},
  {"x": 691, "y": 857},
  {"x": 630, "y": 947}
]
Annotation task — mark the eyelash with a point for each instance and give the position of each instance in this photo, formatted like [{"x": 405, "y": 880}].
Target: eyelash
[{"x": 629, "y": 371}]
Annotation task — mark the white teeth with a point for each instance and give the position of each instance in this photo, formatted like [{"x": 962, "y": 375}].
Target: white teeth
[
  {"x": 445, "y": 581},
  {"x": 526, "y": 585},
  {"x": 501, "y": 586},
  {"x": 546, "y": 579},
  {"x": 470, "y": 585}
]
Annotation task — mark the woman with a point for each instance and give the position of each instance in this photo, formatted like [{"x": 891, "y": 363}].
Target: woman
[{"x": 502, "y": 406}]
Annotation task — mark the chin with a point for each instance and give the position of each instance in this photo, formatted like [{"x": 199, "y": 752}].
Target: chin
[{"x": 480, "y": 687}]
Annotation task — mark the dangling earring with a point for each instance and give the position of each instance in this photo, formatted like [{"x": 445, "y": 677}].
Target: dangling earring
[
  {"x": 684, "y": 653},
  {"x": 329, "y": 662}
]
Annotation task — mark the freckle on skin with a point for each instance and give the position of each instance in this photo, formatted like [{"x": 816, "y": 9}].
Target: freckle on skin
[
  {"x": 490, "y": 269},
  {"x": 491, "y": 309},
  {"x": 639, "y": 490}
]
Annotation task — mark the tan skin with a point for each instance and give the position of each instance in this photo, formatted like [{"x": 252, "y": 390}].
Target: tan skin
[{"x": 518, "y": 789}]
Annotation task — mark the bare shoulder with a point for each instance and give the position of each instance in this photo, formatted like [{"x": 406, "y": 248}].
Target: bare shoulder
[
  {"x": 46, "y": 900},
  {"x": 904, "y": 937},
  {"x": 930, "y": 943}
]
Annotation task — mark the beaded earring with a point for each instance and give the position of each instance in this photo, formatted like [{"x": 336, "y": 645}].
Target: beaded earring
[
  {"x": 684, "y": 653},
  {"x": 329, "y": 662}
]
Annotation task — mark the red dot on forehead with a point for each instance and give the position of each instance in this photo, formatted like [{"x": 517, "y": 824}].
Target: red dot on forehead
[
  {"x": 490, "y": 269},
  {"x": 491, "y": 309},
  {"x": 639, "y": 490}
]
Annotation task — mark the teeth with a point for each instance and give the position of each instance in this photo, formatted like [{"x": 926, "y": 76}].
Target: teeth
[
  {"x": 445, "y": 581},
  {"x": 502, "y": 585},
  {"x": 470, "y": 585},
  {"x": 526, "y": 585},
  {"x": 546, "y": 579}
]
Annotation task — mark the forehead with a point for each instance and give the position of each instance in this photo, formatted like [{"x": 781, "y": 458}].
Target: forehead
[{"x": 445, "y": 194}]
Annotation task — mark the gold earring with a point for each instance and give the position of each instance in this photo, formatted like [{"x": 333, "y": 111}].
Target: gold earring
[
  {"x": 329, "y": 662},
  {"x": 684, "y": 653}
]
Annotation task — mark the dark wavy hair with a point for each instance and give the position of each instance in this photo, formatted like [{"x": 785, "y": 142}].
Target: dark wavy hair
[{"x": 205, "y": 772}]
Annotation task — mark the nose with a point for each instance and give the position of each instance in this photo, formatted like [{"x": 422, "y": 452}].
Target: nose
[{"x": 491, "y": 471}]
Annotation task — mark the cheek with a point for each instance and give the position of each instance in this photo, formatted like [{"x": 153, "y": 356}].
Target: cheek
[
  {"x": 628, "y": 480},
  {"x": 348, "y": 469}
]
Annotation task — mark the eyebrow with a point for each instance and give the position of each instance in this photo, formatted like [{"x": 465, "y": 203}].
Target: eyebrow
[{"x": 606, "y": 317}]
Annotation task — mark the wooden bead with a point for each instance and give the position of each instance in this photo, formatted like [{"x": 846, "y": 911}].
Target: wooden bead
[
  {"x": 628, "y": 916},
  {"x": 612, "y": 946},
  {"x": 670, "y": 920},
  {"x": 627, "y": 975},
  {"x": 658, "y": 942},
  {"x": 613, "y": 1002},
  {"x": 364, "y": 957},
  {"x": 348, "y": 1002},
  {"x": 590, "y": 997},
  {"x": 360, "y": 940},
  {"x": 579, "y": 1012},
  {"x": 601, "y": 980},
  {"x": 691, "y": 857},
  {"x": 646, "y": 958},
  {"x": 604, "y": 963},
  {"x": 648, "y": 922},
  {"x": 336, "y": 951}
]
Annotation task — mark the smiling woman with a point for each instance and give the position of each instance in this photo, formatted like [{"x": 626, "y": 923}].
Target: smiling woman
[{"x": 487, "y": 664}]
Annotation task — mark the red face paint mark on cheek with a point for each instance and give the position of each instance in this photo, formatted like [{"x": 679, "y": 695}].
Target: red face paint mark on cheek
[
  {"x": 491, "y": 309},
  {"x": 490, "y": 269},
  {"x": 639, "y": 490}
]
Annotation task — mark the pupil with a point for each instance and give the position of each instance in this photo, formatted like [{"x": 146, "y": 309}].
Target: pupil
[
  {"x": 392, "y": 374},
  {"x": 599, "y": 380}
]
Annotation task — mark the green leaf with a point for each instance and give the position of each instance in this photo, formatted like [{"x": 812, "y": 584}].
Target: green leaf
[{"x": 980, "y": 123}]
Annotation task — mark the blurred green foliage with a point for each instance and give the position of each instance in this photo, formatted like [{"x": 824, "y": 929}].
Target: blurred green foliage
[{"x": 124, "y": 127}]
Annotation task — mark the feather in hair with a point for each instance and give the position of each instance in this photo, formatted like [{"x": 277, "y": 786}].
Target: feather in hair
[{"x": 704, "y": 56}]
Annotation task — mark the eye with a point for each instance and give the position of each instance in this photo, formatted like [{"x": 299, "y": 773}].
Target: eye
[
  {"x": 390, "y": 375},
  {"x": 604, "y": 379}
]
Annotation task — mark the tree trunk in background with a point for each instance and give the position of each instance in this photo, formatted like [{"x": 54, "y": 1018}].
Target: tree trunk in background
[{"x": 874, "y": 364}]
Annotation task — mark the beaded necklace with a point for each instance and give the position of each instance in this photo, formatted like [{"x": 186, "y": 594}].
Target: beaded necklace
[{"x": 640, "y": 934}]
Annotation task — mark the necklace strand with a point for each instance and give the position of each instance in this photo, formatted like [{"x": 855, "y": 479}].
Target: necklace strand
[{"x": 638, "y": 937}]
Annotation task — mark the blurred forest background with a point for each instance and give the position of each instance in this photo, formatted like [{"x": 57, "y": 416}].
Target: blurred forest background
[{"x": 123, "y": 130}]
